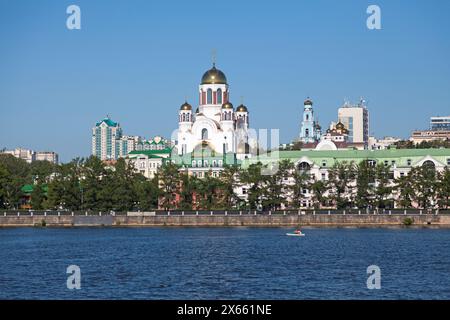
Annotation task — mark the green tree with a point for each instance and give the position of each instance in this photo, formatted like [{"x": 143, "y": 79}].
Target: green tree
[
  {"x": 443, "y": 189},
  {"x": 365, "y": 179},
  {"x": 405, "y": 191},
  {"x": 318, "y": 189},
  {"x": 341, "y": 175},
  {"x": 147, "y": 193},
  {"x": 254, "y": 178},
  {"x": 121, "y": 188},
  {"x": 16, "y": 173},
  {"x": 424, "y": 185},
  {"x": 38, "y": 197},
  {"x": 93, "y": 184},
  {"x": 64, "y": 190},
  {"x": 188, "y": 188},
  {"x": 383, "y": 188},
  {"x": 229, "y": 182},
  {"x": 276, "y": 191},
  {"x": 169, "y": 180}
]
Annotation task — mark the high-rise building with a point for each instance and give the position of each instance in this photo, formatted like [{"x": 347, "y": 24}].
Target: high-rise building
[
  {"x": 310, "y": 130},
  {"x": 440, "y": 123},
  {"x": 105, "y": 135},
  {"x": 126, "y": 144},
  {"x": 355, "y": 118}
]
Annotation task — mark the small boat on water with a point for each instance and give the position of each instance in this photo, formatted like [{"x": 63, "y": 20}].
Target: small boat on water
[{"x": 296, "y": 233}]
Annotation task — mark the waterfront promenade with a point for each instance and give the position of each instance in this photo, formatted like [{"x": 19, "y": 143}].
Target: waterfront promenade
[{"x": 288, "y": 218}]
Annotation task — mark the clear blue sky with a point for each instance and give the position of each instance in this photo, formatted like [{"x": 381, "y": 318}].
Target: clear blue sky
[{"x": 138, "y": 60}]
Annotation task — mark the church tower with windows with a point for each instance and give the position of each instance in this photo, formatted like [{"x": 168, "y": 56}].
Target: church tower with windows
[
  {"x": 216, "y": 124},
  {"x": 310, "y": 130}
]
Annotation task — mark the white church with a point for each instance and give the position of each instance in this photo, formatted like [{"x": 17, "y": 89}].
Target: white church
[{"x": 216, "y": 124}]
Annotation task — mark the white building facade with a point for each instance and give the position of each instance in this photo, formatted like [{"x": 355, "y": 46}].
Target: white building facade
[
  {"x": 215, "y": 123},
  {"x": 356, "y": 121}
]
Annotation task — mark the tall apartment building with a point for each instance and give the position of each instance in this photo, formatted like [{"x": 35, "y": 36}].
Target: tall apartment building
[
  {"x": 355, "y": 118},
  {"x": 104, "y": 137},
  {"x": 108, "y": 141}
]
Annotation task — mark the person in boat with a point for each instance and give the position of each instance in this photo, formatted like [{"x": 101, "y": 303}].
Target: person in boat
[{"x": 298, "y": 231}]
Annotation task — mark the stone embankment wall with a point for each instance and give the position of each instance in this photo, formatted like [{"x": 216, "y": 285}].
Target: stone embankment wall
[{"x": 259, "y": 220}]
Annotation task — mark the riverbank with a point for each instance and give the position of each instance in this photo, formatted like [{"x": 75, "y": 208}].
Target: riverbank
[{"x": 248, "y": 220}]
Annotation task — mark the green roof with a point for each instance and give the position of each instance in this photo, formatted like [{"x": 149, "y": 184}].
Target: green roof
[
  {"x": 151, "y": 152},
  {"x": 28, "y": 188},
  {"x": 108, "y": 121},
  {"x": 400, "y": 156},
  {"x": 387, "y": 153}
]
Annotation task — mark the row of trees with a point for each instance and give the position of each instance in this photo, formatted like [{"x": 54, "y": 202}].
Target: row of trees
[
  {"x": 408, "y": 144},
  {"x": 88, "y": 184}
]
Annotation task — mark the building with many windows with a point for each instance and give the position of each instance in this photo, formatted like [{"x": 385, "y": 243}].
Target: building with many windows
[
  {"x": 30, "y": 155},
  {"x": 440, "y": 123},
  {"x": 356, "y": 121},
  {"x": 105, "y": 135},
  {"x": 317, "y": 164},
  {"x": 439, "y": 131}
]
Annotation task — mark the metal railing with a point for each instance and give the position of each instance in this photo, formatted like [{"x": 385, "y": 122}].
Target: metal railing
[{"x": 10, "y": 213}]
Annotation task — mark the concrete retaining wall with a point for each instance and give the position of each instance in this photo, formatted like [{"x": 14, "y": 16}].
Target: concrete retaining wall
[{"x": 226, "y": 220}]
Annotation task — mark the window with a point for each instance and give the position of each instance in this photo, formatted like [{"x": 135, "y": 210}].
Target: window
[
  {"x": 194, "y": 163},
  {"x": 324, "y": 163},
  {"x": 324, "y": 176},
  {"x": 244, "y": 191},
  {"x": 306, "y": 132},
  {"x": 220, "y": 163},
  {"x": 205, "y": 163},
  {"x": 219, "y": 96},
  {"x": 393, "y": 162},
  {"x": 214, "y": 163},
  {"x": 408, "y": 162},
  {"x": 209, "y": 96},
  {"x": 402, "y": 174},
  {"x": 448, "y": 161},
  {"x": 304, "y": 166},
  {"x": 386, "y": 163},
  {"x": 307, "y": 117},
  {"x": 204, "y": 134}
]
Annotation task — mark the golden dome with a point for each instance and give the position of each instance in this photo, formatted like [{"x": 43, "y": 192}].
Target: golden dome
[
  {"x": 227, "y": 105},
  {"x": 340, "y": 126},
  {"x": 242, "y": 108},
  {"x": 214, "y": 76},
  {"x": 186, "y": 106}
]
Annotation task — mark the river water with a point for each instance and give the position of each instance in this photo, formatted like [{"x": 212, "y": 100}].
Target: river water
[{"x": 224, "y": 263}]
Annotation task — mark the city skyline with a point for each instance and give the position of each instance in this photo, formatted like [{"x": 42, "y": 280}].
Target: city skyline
[{"x": 56, "y": 83}]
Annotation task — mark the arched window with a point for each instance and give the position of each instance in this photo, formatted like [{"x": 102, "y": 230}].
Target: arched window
[
  {"x": 183, "y": 117},
  {"x": 307, "y": 117},
  {"x": 219, "y": 96},
  {"x": 306, "y": 132},
  {"x": 194, "y": 163},
  {"x": 209, "y": 96},
  {"x": 204, "y": 134},
  {"x": 304, "y": 166},
  {"x": 429, "y": 165}
]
